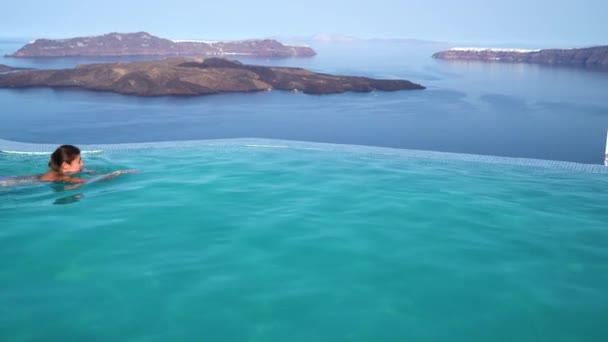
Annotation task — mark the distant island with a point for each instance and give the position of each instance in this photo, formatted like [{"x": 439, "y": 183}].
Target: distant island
[
  {"x": 144, "y": 44},
  {"x": 195, "y": 76},
  {"x": 592, "y": 57}
]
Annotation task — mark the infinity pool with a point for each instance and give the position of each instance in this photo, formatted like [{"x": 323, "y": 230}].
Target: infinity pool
[{"x": 264, "y": 240}]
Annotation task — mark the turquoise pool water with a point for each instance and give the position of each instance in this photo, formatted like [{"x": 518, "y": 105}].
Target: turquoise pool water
[{"x": 271, "y": 241}]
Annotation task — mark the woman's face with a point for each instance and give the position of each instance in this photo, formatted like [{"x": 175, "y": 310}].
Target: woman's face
[{"x": 73, "y": 167}]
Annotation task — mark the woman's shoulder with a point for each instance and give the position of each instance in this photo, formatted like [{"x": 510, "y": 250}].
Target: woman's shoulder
[{"x": 49, "y": 177}]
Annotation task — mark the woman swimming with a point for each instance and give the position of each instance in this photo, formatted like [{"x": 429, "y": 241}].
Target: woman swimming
[{"x": 64, "y": 162}]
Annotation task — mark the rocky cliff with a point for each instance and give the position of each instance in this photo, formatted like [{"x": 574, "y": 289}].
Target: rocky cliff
[
  {"x": 144, "y": 44},
  {"x": 592, "y": 57},
  {"x": 6, "y": 68},
  {"x": 189, "y": 76}
]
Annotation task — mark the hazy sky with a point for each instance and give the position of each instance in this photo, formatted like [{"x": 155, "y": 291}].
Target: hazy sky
[{"x": 547, "y": 22}]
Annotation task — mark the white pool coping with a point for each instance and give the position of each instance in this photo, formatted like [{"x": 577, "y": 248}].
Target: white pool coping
[{"x": 21, "y": 148}]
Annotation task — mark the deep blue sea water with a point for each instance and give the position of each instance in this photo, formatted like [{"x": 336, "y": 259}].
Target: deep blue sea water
[
  {"x": 511, "y": 110},
  {"x": 263, "y": 241}
]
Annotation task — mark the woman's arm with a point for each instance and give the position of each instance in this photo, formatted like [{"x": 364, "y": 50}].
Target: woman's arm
[
  {"x": 109, "y": 175},
  {"x": 89, "y": 171},
  {"x": 78, "y": 182}
]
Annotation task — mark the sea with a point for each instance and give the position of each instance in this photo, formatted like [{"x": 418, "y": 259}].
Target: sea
[{"x": 511, "y": 110}]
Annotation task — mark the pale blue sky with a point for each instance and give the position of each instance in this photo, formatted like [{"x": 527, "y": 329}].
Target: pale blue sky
[{"x": 544, "y": 22}]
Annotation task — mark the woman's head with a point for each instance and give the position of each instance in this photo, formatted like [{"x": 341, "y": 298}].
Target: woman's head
[{"x": 66, "y": 159}]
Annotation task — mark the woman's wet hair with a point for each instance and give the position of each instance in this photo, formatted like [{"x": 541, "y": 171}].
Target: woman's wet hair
[{"x": 64, "y": 153}]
